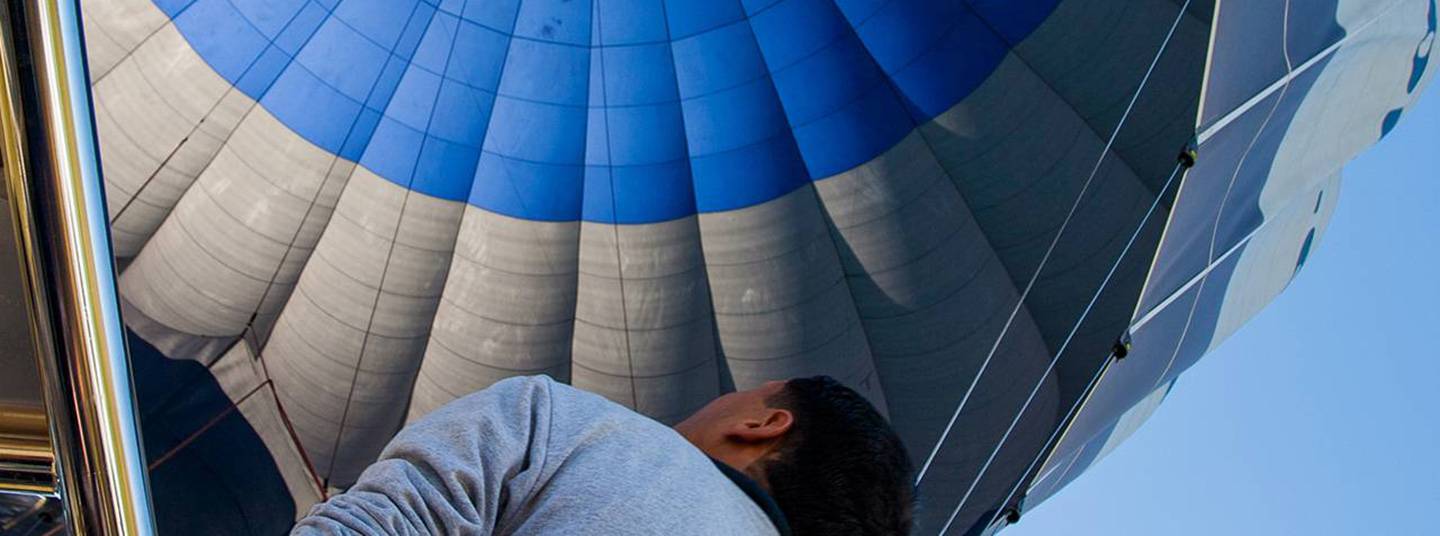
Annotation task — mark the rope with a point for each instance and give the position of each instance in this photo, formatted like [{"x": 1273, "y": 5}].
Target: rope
[
  {"x": 1075, "y": 407},
  {"x": 1030, "y": 285},
  {"x": 1114, "y": 267},
  {"x": 1049, "y": 443}
]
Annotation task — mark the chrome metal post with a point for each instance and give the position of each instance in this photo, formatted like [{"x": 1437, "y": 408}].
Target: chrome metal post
[{"x": 52, "y": 172}]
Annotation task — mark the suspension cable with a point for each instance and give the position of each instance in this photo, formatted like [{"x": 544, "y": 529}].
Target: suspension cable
[
  {"x": 1030, "y": 285},
  {"x": 1045, "y": 447},
  {"x": 1114, "y": 267},
  {"x": 1074, "y": 407}
]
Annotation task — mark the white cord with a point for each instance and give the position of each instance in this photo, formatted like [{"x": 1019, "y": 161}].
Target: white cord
[
  {"x": 1076, "y": 406},
  {"x": 1061, "y": 352},
  {"x": 929, "y": 460}
]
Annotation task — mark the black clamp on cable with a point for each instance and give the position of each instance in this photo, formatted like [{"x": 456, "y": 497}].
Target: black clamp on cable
[
  {"x": 1189, "y": 154},
  {"x": 1122, "y": 346},
  {"x": 1012, "y": 516}
]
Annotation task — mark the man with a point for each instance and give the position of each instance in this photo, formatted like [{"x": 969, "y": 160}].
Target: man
[{"x": 532, "y": 456}]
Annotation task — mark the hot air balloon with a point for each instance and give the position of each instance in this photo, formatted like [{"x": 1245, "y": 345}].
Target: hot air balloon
[{"x": 1010, "y": 224}]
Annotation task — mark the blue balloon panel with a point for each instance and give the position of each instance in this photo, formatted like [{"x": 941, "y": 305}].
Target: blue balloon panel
[{"x": 617, "y": 111}]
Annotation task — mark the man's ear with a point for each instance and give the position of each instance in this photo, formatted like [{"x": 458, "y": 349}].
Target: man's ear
[{"x": 773, "y": 424}]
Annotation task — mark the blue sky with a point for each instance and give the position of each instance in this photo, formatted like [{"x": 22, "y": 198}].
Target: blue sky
[{"x": 1322, "y": 415}]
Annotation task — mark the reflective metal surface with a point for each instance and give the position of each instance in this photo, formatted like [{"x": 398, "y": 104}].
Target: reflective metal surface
[
  {"x": 26, "y": 515},
  {"x": 25, "y": 451},
  {"x": 56, "y": 197}
]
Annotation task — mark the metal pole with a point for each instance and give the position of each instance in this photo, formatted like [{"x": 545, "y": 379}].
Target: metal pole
[{"x": 57, "y": 199}]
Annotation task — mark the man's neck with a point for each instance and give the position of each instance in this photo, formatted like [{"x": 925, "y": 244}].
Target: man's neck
[{"x": 758, "y": 493}]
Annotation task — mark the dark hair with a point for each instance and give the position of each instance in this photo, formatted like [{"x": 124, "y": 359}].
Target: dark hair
[{"x": 841, "y": 470}]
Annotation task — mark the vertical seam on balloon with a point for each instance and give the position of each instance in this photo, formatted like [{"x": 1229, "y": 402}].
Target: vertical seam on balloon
[
  {"x": 329, "y": 171},
  {"x": 1021, "y": 300},
  {"x": 1280, "y": 99},
  {"x": 1285, "y": 38},
  {"x": 1065, "y": 345},
  {"x": 228, "y": 91},
  {"x": 250, "y": 323},
  {"x": 475, "y": 179},
  {"x": 1060, "y": 352},
  {"x": 466, "y": 210},
  {"x": 1196, "y": 142},
  {"x": 400, "y": 219},
  {"x": 1075, "y": 328},
  {"x": 464, "y": 202},
  {"x": 178, "y": 223},
  {"x": 815, "y": 196},
  {"x": 1142, "y": 320},
  {"x": 289, "y": 426},
  {"x": 1215, "y": 226},
  {"x": 1235, "y": 175},
  {"x": 166, "y": 162},
  {"x": 599, "y": 51},
  {"x": 169, "y": 21},
  {"x": 1053, "y": 362},
  {"x": 699, "y": 242},
  {"x": 1011, "y": 46},
  {"x": 1100, "y": 160},
  {"x": 1229, "y": 116},
  {"x": 1221, "y": 122},
  {"x": 918, "y": 129},
  {"x": 1184, "y": 334},
  {"x": 1054, "y": 90},
  {"x": 394, "y": 240},
  {"x": 1104, "y": 366},
  {"x": 509, "y": 179}
]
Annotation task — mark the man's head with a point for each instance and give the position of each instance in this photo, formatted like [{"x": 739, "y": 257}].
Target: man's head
[{"x": 828, "y": 458}]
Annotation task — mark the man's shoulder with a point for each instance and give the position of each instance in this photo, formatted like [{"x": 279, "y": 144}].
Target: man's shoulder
[
  {"x": 512, "y": 392},
  {"x": 561, "y": 395},
  {"x": 538, "y": 381},
  {"x": 541, "y": 384},
  {"x": 543, "y": 397},
  {"x": 509, "y": 394}
]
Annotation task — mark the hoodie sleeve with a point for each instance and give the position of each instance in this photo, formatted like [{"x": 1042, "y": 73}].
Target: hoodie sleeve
[{"x": 457, "y": 470}]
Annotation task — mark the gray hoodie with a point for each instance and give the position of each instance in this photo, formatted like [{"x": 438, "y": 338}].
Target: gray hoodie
[{"x": 532, "y": 456}]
